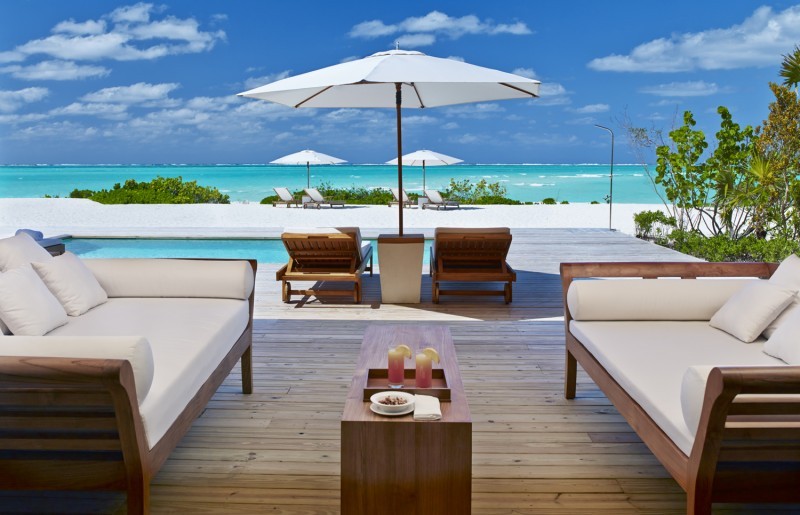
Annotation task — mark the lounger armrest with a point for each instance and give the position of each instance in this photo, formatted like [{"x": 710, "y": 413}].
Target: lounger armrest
[
  {"x": 196, "y": 278},
  {"x": 281, "y": 272}
]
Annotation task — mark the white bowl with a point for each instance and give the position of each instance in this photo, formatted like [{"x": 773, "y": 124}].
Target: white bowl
[{"x": 393, "y": 408}]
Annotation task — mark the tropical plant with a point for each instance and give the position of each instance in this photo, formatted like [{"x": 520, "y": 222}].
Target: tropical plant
[
  {"x": 161, "y": 190},
  {"x": 790, "y": 68},
  {"x": 482, "y": 192}
]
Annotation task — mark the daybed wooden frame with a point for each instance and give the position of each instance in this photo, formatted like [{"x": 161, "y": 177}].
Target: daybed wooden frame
[
  {"x": 744, "y": 450},
  {"x": 74, "y": 424},
  {"x": 334, "y": 257},
  {"x": 471, "y": 257}
]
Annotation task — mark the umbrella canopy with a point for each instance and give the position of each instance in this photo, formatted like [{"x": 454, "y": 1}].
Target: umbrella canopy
[
  {"x": 423, "y": 157},
  {"x": 396, "y": 78},
  {"x": 307, "y": 157}
]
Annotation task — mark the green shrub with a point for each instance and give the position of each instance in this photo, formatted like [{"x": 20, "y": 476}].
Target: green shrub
[
  {"x": 550, "y": 201},
  {"x": 594, "y": 202},
  {"x": 565, "y": 202},
  {"x": 161, "y": 190},
  {"x": 481, "y": 192},
  {"x": 723, "y": 248},
  {"x": 653, "y": 225}
]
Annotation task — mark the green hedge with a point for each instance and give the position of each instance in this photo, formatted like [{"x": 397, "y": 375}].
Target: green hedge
[{"x": 161, "y": 190}]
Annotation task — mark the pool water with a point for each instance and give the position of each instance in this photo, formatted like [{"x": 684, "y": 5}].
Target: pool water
[{"x": 263, "y": 250}]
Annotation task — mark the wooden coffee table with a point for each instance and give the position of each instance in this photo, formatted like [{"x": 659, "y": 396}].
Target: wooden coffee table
[{"x": 394, "y": 465}]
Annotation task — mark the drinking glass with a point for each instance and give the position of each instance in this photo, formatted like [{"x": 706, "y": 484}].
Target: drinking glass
[
  {"x": 424, "y": 373},
  {"x": 396, "y": 367}
]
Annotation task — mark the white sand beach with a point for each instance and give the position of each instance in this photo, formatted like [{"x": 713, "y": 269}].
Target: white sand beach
[{"x": 84, "y": 218}]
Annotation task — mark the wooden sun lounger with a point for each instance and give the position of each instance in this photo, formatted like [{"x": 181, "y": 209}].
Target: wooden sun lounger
[
  {"x": 436, "y": 201},
  {"x": 471, "y": 255},
  {"x": 324, "y": 257},
  {"x": 744, "y": 450},
  {"x": 285, "y": 197},
  {"x": 317, "y": 200},
  {"x": 407, "y": 202}
]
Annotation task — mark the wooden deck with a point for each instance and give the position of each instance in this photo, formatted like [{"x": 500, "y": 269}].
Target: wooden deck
[{"x": 277, "y": 450}]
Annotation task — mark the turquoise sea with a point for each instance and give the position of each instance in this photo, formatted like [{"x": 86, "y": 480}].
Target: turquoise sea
[{"x": 526, "y": 182}]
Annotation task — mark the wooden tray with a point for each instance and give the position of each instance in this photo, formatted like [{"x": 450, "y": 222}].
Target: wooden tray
[{"x": 378, "y": 381}]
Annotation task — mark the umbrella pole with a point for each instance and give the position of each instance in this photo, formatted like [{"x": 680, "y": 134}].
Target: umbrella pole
[
  {"x": 423, "y": 176},
  {"x": 399, "y": 101},
  {"x": 308, "y": 175}
]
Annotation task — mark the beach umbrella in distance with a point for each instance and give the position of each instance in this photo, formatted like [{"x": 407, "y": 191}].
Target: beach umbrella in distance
[
  {"x": 308, "y": 157},
  {"x": 396, "y": 78},
  {"x": 423, "y": 157}
]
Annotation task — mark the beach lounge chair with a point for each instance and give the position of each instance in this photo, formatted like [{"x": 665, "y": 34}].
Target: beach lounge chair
[
  {"x": 317, "y": 199},
  {"x": 324, "y": 255},
  {"x": 407, "y": 202},
  {"x": 285, "y": 197},
  {"x": 471, "y": 255},
  {"x": 435, "y": 200}
]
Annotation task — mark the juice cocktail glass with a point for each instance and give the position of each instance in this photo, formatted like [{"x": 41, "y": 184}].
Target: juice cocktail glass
[
  {"x": 424, "y": 361},
  {"x": 396, "y": 364}
]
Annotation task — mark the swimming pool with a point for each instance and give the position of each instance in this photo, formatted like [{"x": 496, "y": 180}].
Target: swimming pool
[{"x": 263, "y": 250}]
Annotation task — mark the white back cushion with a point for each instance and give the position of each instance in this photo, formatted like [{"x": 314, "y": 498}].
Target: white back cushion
[
  {"x": 650, "y": 299},
  {"x": 434, "y": 196},
  {"x": 788, "y": 276},
  {"x": 784, "y": 343},
  {"x": 750, "y": 310},
  {"x": 20, "y": 250},
  {"x": 173, "y": 278},
  {"x": 26, "y": 305},
  {"x": 71, "y": 282},
  {"x": 135, "y": 349}
]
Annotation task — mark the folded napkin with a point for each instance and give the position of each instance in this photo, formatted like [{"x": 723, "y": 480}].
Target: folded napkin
[{"x": 426, "y": 408}]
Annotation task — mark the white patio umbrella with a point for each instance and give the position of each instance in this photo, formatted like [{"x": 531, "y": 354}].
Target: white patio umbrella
[
  {"x": 307, "y": 157},
  {"x": 423, "y": 157},
  {"x": 385, "y": 78}
]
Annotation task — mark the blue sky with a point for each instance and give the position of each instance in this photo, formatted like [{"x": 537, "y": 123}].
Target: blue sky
[{"x": 125, "y": 82}]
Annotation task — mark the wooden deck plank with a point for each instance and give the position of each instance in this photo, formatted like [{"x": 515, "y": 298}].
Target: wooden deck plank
[{"x": 278, "y": 450}]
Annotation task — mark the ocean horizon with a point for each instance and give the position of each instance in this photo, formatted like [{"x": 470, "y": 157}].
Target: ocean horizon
[{"x": 527, "y": 182}]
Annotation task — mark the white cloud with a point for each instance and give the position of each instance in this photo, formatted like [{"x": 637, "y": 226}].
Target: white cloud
[
  {"x": 449, "y": 126},
  {"x": 12, "y": 100},
  {"x": 682, "y": 89},
  {"x": 100, "y": 110},
  {"x": 758, "y": 41},
  {"x": 593, "y": 108},
  {"x": 133, "y": 94},
  {"x": 479, "y": 111},
  {"x": 436, "y": 22},
  {"x": 552, "y": 94},
  {"x": 55, "y": 70},
  {"x": 525, "y": 72},
  {"x": 13, "y": 119},
  {"x": 416, "y": 40},
  {"x": 255, "y": 82},
  {"x": 132, "y": 36}
]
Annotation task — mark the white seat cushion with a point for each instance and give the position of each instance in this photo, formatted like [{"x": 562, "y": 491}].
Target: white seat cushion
[
  {"x": 20, "y": 250},
  {"x": 26, "y": 305},
  {"x": 188, "y": 339},
  {"x": 71, "y": 282},
  {"x": 649, "y": 359}
]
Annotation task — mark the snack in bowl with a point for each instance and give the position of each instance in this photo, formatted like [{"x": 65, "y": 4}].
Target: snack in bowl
[{"x": 393, "y": 402}]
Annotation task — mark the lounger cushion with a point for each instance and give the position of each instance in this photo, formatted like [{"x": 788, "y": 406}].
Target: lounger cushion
[
  {"x": 19, "y": 250},
  {"x": 788, "y": 276},
  {"x": 784, "y": 343},
  {"x": 26, "y": 305},
  {"x": 173, "y": 278},
  {"x": 627, "y": 349},
  {"x": 649, "y": 299},
  {"x": 71, "y": 282},
  {"x": 750, "y": 310},
  {"x": 135, "y": 349},
  {"x": 189, "y": 337}
]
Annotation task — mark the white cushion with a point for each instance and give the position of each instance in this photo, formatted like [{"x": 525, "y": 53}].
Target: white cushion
[
  {"x": 71, "y": 282},
  {"x": 648, "y": 360},
  {"x": 784, "y": 343},
  {"x": 188, "y": 338},
  {"x": 194, "y": 278},
  {"x": 135, "y": 349},
  {"x": 788, "y": 276},
  {"x": 26, "y": 305},
  {"x": 650, "y": 299},
  {"x": 693, "y": 392},
  {"x": 750, "y": 310},
  {"x": 20, "y": 250},
  {"x": 4, "y": 329}
]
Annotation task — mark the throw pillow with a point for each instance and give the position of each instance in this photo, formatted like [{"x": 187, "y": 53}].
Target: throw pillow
[
  {"x": 73, "y": 284},
  {"x": 20, "y": 250},
  {"x": 788, "y": 276},
  {"x": 750, "y": 310},
  {"x": 784, "y": 343},
  {"x": 26, "y": 305}
]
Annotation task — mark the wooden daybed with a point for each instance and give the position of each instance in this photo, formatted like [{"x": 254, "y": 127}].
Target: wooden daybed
[
  {"x": 471, "y": 255},
  {"x": 324, "y": 255},
  {"x": 76, "y": 424},
  {"x": 745, "y": 449}
]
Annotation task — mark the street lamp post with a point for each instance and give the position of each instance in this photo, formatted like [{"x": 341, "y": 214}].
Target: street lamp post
[{"x": 611, "y": 177}]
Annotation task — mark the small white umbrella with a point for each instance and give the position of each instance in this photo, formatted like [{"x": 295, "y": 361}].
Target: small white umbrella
[
  {"x": 385, "y": 79},
  {"x": 307, "y": 157},
  {"x": 423, "y": 157}
]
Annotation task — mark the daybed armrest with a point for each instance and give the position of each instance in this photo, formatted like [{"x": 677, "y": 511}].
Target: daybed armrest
[
  {"x": 134, "y": 349},
  {"x": 199, "y": 278}
]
